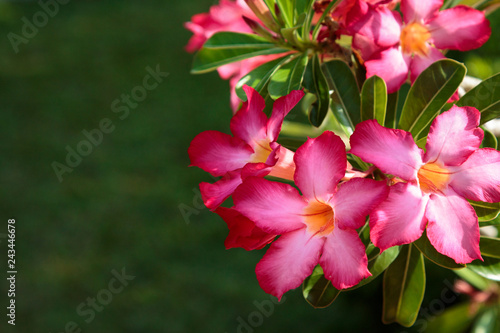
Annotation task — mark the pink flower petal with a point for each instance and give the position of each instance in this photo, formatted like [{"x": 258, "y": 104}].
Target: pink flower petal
[
  {"x": 379, "y": 24},
  {"x": 274, "y": 207},
  {"x": 419, "y": 11},
  {"x": 250, "y": 122},
  {"x": 344, "y": 259},
  {"x": 356, "y": 199},
  {"x": 365, "y": 45},
  {"x": 453, "y": 227},
  {"x": 459, "y": 28},
  {"x": 392, "y": 151},
  {"x": 400, "y": 219},
  {"x": 391, "y": 65},
  {"x": 419, "y": 63},
  {"x": 281, "y": 107},
  {"x": 243, "y": 232},
  {"x": 218, "y": 153},
  {"x": 213, "y": 195},
  {"x": 454, "y": 135},
  {"x": 320, "y": 164},
  {"x": 478, "y": 178},
  {"x": 285, "y": 166},
  {"x": 289, "y": 260}
]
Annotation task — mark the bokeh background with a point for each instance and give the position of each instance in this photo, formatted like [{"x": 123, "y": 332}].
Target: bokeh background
[{"x": 121, "y": 206}]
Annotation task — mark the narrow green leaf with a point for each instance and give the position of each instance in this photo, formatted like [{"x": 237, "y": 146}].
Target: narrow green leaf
[
  {"x": 487, "y": 322},
  {"x": 430, "y": 92},
  {"x": 485, "y": 97},
  {"x": 374, "y": 100},
  {"x": 291, "y": 143},
  {"x": 489, "y": 140},
  {"x": 490, "y": 247},
  {"x": 489, "y": 269},
  {"x": 317, "y": 84},
  {"x": 404, "y": 285},
  {"x": 378, "y": 265},
  {"x": 430, "y": 253},
  {"x": 260, "y": 77},
  {"x": 289, "y": 77},
  {"x": 287, "y": 11},
  {"x": 473, "y": 278},
  {"x": 495, "y": 221},
  {"x": 317, "y": 290},
  {"x": 392, "y": 110},
  {"x": 227, "y": 47},
  {"x": 345, "y": 89},
  {"x": 486, "y": 211},
  {"x": 456, "y": 319}
]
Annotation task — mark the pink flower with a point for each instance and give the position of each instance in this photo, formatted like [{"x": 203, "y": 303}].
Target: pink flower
[
  {"x": 318, "y": 227},
  {"x": 252, "y": 151},
  {"x": 243, "y": 232},
  {"x": 226, "y": 16},
  {"x": 394, "y": 47},
  {"x": 438, "y": 182}
]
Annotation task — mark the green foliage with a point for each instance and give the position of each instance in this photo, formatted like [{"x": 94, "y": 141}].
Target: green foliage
[
  {"x": 425, "y": 246},
  {"x": 429, "y": 93},
  {"x": 374, "y": 100},
  {"x": 316, "y": 83},
  {"x": 317, "y": 290},
  {"x": 288, "y": 77},
  {"x": 485, "y": 97},
  {"x": 404, "y": 286},
  {"x": 490, "y": 247},
  {"x": 489, "y": 268},
  {"x": 455, "y": 319}
]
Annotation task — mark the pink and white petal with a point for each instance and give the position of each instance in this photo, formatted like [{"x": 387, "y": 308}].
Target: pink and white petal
[
  {"x": 231, "y": 70},
  {"x": 478, "y": 178},
  {"x": 285, "y": 166},
  {"x": 242, "y": 231},
  {"x": 288, "y": 261},
  {"x": 320, "y": 164},
  {"x": 391, "y": 65},
  {"x": 365, "y": 46},
  {"x": 213, "y": 195},
  {"x": 274, "y": 207},
  {"x": 356, "y": 199},
  {"x": 400, "y": 219},
  {"x": 344, "y": 260},
  {"x": 218, "y": 153},
  {"x": 281, "y": 107},
  {"x": 392, "y": 151},
  {"x": 454, "y": 135},
  {"x": 379, "y": 24},
  {"x": 453, "y": 227},
  {"x": 420, "y": 63},
  {"x": 420, "y": 11},
  {"x": 459, "y": 28},
  {"x": 250, "y": 122}
]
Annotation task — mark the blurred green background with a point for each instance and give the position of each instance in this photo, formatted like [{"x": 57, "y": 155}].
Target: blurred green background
[{"x": 120, "y": 207}]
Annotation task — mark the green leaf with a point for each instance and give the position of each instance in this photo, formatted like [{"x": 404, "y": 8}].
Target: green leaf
[
  {"x": 487, "y": 322},
  {"x": 495, "y": 221},
  {"x": 379, "y": 265},
  {"x": 392, "y": 110},
  {"x": 489, "y": 140},
  {"x": 317, "y": 84},
  {"x": 404, "y": 286},
  {"x": 287, "y": 11},
  {"x": 227, "y": 47},
  {"x": 486, "y": 211},
  {"x": 455, "y": 319},
  {"x": 485, "y": 97},
  {"x": 317, "y": 290},
  {"x": 345, "y": 93},
  {"x": 489, "y": 269},
  {"x": 260, "y": 77},
  {"x": 473, "y": 278},
  {"x": 291, "y": 143},
  {"x": 288, "y": 77},
  {"x": 374, "y": 100},
  {"x": 430, "y": 92},
  {"x": 430, "y": 253},
  {"x": 490, "y": 247}
]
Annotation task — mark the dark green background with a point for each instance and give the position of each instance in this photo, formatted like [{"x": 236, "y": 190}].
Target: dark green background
[{"x": 120, "y": 206}]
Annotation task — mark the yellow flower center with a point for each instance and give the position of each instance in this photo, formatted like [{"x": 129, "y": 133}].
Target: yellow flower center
[
  {"x": 262, "y": 151},
  {"x": 318, "y": 217},
  {"x": 414, "y": 39},
  {"x": 433, "y": 178}
]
